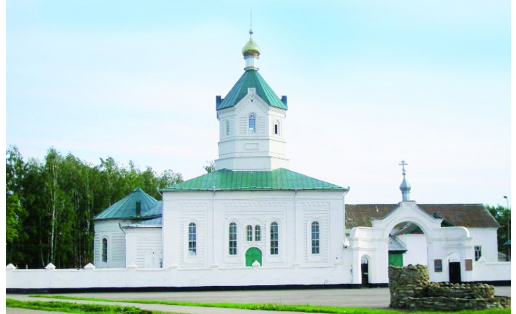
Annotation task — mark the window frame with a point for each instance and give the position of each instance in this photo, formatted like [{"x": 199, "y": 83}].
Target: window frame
[
  {"x": 192, "y": 239},
  {"x": 105, "y": 243},
  {"x": 274, "y": 240},
  {"x": 478, "y": 252},
  {"x": 315, "y": 237},
  {"x": 233, "y": 236},
  {"x": 257, "y": 233},
  {"x": 249, "y": 233},
  {"x": 251, "y": 117}
]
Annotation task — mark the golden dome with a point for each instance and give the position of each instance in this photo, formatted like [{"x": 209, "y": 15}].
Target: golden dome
[{"x": 251, "y": 48}]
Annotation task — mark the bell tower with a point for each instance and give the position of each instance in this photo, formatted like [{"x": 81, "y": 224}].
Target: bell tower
[{"x": 251, "y": 119}]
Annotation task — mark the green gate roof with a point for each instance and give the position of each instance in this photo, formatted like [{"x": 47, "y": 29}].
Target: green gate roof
[
  {"x": 227, "y": 180},
  {"x": 126, "y": 207},
  {"x": 251, "y": 78}
]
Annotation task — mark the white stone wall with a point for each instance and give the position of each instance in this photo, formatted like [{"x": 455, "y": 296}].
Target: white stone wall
[
  {"x": 214, "y": 212},
  {"x": 124, "y": 278},
  {"x": 490, "y": 271},
  {"x": 110, "y": 230},
  {"x": 144, "y": 247},
  {"x": 417, "y": 249},
  {"x": 487, "y": 239}
]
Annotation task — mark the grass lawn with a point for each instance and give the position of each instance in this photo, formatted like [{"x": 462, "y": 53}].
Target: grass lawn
[
  {"x": 56, "y": 306},
  {"x": 276, "y": 307}
]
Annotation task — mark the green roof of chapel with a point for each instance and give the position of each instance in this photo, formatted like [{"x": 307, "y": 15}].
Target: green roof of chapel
[
  {"x": 251, "y": 78},
  {"x": 126, "y": 207},
  {"x": 227, "y": 180}
]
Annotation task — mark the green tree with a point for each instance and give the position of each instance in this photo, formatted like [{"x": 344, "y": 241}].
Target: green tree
[
  {"x": 13, "y": 211},
  {"x": 50, "y": 204},
  {"x": 502, "y": 215},
  {"x": 210, "y": 166}
]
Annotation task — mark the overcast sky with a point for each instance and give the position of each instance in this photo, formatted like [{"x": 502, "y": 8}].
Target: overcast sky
[{"x": 369, "y": 83}]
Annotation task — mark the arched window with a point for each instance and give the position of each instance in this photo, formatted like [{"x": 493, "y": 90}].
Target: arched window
[
  {"x": 276, "y": 127},
  {"x": 192, "y": 239},
  {"x": 257, "y": 233},
  {"x": 315, "y": 237},
  {"x": 274, "y": 239},
  {"x": 249, "y": 233},
  {"x": 104, "y": 250},
  {"x": 227, "y": 127},
  {"x": 252, "y": 123},
  {"x": 232, "y": 238}
]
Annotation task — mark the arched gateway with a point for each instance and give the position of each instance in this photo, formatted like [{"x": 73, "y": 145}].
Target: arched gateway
[{"x": 382, "y": 246}]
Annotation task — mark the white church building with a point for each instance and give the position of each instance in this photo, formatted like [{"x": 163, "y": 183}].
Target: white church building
[{"x": 255, "y": 222}]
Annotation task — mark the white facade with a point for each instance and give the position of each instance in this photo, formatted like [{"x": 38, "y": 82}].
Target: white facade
[
  {"x": 213, "y": 212},
  {"x": 447, "y": 244},
  {"x": 486, "y": 239},
  {"x": 144, "y": 247},
  {"x": 252, "y": 136},
  {"x": 110, "y": 232},
  {"x": 417, "y": 249}
]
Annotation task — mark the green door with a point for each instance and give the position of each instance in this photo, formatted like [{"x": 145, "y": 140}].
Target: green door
[
  {"x": 253, "y": 254},
  {"x": 395, "y": 259}
]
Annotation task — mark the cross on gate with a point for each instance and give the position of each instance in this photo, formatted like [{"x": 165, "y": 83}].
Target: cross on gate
[{"x": 403, "y": 164}]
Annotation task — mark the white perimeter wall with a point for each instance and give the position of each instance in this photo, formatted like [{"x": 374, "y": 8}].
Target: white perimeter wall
[
  {"x": 106, "y": 278},
  {"x": 488, "y": 271}
]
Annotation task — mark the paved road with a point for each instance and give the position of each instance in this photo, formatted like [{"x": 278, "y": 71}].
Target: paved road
[{"x": 371, "y": 298}]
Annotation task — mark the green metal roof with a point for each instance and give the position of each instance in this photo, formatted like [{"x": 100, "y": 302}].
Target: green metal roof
[
  {"x": 227, "y": 180},
  {"x": 126, "y": 207},
  {"x": 251, "y": 78},
  {"x": 154, "y": 222}
]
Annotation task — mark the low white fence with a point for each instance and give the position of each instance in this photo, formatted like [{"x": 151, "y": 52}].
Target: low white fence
[
  {"x": 133, "y": 277},
  {"x": 491, "y": 271}
]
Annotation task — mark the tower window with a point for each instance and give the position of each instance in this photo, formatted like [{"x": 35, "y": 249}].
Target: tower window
[
  {"x": 252, "y": 123},
  {"x": 104, "y": 250},
  {"x": 274, "y": 239},
  {"x": 276, "y": 128},
  {"x": 227, "y": 127},
  {"x": 249, "y": 233},
  {"x": 257, "y": 233},
  {"x": 192, "y": 239},
  {"x": 232, "y": 238},
  {"x": 315, "y": 237}
]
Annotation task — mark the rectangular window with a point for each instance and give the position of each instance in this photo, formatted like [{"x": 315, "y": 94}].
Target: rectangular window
[
  {"x": 274, "y": 239},
  {"x": 192, "y": 239},
  {"x": 252, "y": 123},
  {"x": 232, "y": 239},
  {"x": 104, "y": 250},
  {"x": 315, "y": 237},
  {"x": 257, "y": 233},
  {"x": 249, "y": 233},
  {"x": 478, "y": 252}
]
